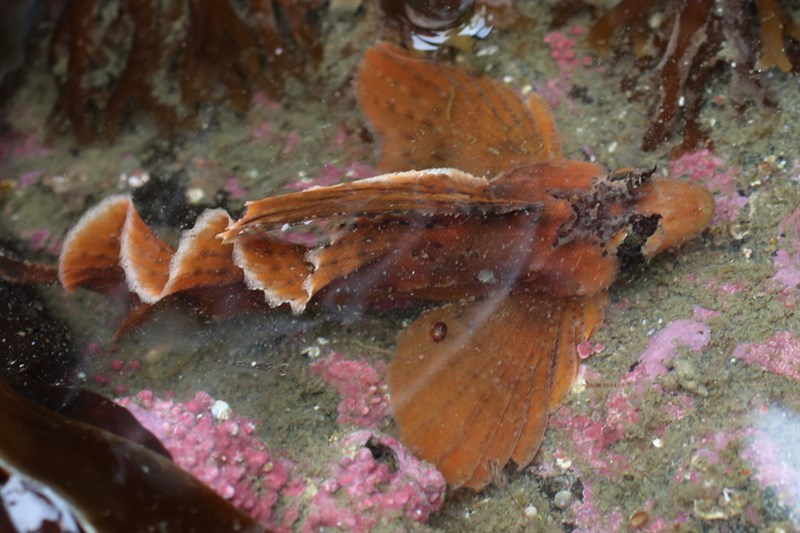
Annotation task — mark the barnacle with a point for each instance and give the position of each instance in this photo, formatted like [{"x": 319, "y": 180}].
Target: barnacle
[
  {"x": 684, "y": 43},
  {"x": 171, "y": 58}
]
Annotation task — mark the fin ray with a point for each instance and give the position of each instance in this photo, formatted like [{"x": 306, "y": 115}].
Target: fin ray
[
  {"x": 432, "y": 115},
  {"x": 480, "y": 395}
]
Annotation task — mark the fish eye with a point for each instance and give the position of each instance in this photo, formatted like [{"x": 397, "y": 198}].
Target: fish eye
[
  {"x": 439, "y": 331},
  {"x": 640, "y": 229},
  {"x": 633, "y": 177}
]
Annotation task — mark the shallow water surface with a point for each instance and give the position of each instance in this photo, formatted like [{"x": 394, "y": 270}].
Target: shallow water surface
[{"x": 686, "y": 412}]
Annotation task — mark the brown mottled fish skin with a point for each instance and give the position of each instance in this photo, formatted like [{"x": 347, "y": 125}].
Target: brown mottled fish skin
[
  {"x": 480, "y": 395},
  {"x": 478, "y": 211}
]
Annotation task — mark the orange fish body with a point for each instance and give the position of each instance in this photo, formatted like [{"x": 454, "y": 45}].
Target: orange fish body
[{"x": 518, "y": 244}]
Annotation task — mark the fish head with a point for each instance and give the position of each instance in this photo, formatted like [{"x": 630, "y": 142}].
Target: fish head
[
  {"x": 666, "y": 213},
  {"x": 632, "y": 214}
]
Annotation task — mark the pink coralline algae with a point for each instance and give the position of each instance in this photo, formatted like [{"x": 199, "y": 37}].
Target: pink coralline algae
[
  {"x": 371, "y": 478},
  {"x": 16, "y": 144},
  {"x": 219, "y": 447},
  {"x": 262, "y": 130},
  {"x": 118, "y": 372},
  {"x": 26, "y": 179},
  {"x": 787, "y": 259},
  {"x": 708, "y": 453},
  {"x": 376, "y": 481},
  {"x": 588, "y": 348},
  {"x": 724, "y": 290},
  {"x": 787, "y": 268},
  {"x": 663, "y": 347},
  {"x": 592, "y": 436},
  {"x": 41, "y": 240},
  {"x": 292, "y": 140},
  {"x": 364, "y": 402},
  {"x": 590, "y": 519},
  {"x": 233, "y": 186},
  {"x": 779, "y": 355},
  {"x": 563, "y": 51},
  {"x": 717, "y": 176}
]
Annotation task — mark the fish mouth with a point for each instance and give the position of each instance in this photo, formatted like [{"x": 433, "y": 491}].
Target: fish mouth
[
  {"x": 686, "y": 209},
  {"x": 640, "y": 229}
]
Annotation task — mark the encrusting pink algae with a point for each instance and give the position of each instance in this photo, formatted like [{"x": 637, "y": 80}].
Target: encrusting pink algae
[{"x": 371, "y": 477}]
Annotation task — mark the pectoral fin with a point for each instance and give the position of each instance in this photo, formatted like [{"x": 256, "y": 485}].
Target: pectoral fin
[{"x": 472, "y": 384}]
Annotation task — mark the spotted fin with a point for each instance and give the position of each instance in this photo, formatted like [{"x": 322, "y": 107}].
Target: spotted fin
[
  {"x": 431, "y": 115},
  {"x": 480, "y": 395},
  {"x": 427, "y": 192}
]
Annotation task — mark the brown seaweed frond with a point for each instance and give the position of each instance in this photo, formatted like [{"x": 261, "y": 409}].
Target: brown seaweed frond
[
  {"x": 684, "y": 43},
  {"x": 168, "y": 59},
  {"x": 20, "y": 271},
  {"x": 687, "y": 62},
  {"x": 289, "y": 42},
  {"x": 776, "y": 27},
  {"x": 632, "y": 15},
  {"x": 106, "y": 479}
]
